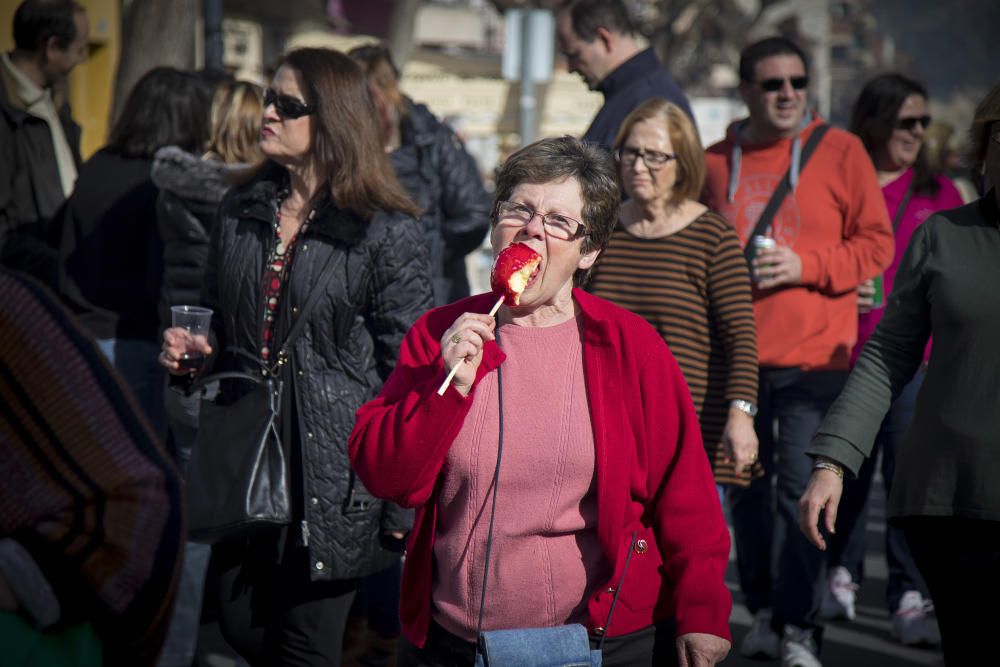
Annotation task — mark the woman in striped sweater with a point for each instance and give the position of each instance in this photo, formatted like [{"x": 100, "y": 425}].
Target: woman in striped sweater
[{"x": 680, "y": 266}]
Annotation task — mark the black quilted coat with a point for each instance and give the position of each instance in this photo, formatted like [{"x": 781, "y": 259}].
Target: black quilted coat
[{"x": 348, "y": 347}]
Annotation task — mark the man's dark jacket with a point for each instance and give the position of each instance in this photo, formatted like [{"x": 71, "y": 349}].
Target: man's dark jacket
[
  {"x": 442, "y": 178},
  {"x": 378, "y": 288},
  {"x": 31, "y": 191},
  {"x": 638, "y": 79}
]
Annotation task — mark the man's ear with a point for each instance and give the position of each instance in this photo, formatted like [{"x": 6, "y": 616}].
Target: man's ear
[
  {"x": 744, "y": 90},
  {"x": 606, "y": 38}
]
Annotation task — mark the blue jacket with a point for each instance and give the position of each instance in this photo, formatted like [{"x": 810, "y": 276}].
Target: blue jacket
[{"x": 636, "y": 80}]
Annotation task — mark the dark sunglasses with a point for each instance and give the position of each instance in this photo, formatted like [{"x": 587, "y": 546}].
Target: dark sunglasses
[
  {"x": 774, "y": 85},
  {"x": 286, "y": 105},
  {"x": 910, "y": 124}
]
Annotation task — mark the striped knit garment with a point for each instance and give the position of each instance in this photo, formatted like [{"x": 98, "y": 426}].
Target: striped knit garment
[
  {"x": 693, "y": 286},
  {"x": 84, "y": 485}
]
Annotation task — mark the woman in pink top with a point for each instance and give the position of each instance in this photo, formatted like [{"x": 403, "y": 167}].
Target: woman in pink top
[
  {"x": 890, "y": 116},
  {"x": 602, "y": 461}
]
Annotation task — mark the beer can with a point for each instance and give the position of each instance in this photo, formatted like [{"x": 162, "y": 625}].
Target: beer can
[
  {"x": 760, "y": 243},
  {"x": 878, "y": 298}
]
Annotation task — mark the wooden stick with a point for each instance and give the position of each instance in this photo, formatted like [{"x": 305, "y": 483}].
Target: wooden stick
[{"x": 451, "y": 375}]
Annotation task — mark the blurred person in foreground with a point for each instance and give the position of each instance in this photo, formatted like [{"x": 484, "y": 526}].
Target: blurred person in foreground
[
  {"x": 828, "y": 233},
  {"x": 90, "y": 504},
  {"x": 602, "y": 449},
  {"x": 890, "y": 117},
  {"x": 434, "y": 167},
  {"x": 39, "y": 141},
  {"x": 680, "y": 267},
  {"x": 110, "y": 250},
  {"x": 323, "y": 212},
  {"x": 946, "y": 492},
  {"x": 941, "y": 146},
  {"x": 597, "y": 39},
  {"x": 191, "y": 187}
]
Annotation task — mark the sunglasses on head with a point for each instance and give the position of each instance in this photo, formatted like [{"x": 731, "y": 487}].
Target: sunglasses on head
[
  {"x": 776, "y": 84},
  {"x": 909, "y": 124},
  {"x": 286, "y": 105}
]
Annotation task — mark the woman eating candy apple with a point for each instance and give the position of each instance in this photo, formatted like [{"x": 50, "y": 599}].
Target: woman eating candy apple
[{"x": 600, "y": 466}]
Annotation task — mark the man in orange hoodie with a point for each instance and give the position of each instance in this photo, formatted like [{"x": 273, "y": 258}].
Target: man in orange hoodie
[{"x": 831, "y": 232}]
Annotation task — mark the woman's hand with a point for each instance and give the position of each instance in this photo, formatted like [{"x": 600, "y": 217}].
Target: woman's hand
[
  {"x": 866, "y": 296},
  {"x": 740, "y": 440},
  {"x": 462, "y": 345},
  {"x": 177, "y": 342},
  {"x": 697, "y": 649},
  {"x": 823, "y": 493}
]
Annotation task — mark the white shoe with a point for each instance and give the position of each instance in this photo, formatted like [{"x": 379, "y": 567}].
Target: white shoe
[
  {"x": 761, "y": 640},
  {"x": 912, "y": 625},
  {"x": 839, "y": 596},
  {"x": 798, "y": 648}
]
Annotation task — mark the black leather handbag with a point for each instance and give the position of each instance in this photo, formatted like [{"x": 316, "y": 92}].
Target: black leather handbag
[{"x": 238, "y": 472}]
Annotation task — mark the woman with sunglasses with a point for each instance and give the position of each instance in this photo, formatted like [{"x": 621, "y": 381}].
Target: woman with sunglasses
[
  {"x": 946, "y": 493},
  {"x": 890, "y": 116},
  {"x": 680, "y": 267},
  {"x": 324, "y": 212}
]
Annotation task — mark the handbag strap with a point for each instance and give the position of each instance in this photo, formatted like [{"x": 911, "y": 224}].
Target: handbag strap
[
  {"x": 780, "y": 192},
  {"x": 329, "y": 267},
  {"x": 902, "y": 208},
  {"x": 493, "y": 511}
]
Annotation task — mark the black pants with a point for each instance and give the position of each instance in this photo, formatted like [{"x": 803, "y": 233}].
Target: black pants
[
  {"x": 654, "y": 645},
  {"x": 270, "y": 611},
  {"x": 960, "y": 561}
]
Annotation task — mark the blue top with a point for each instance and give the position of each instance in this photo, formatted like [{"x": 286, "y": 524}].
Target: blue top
[{"x": 638, "y": 79}]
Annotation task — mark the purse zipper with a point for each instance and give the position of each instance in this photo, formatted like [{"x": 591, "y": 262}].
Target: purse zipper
[{"x": 305, "y": 533}]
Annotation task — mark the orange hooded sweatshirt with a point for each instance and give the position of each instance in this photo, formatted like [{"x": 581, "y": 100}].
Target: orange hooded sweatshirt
[{"x": 835, "y": 220}]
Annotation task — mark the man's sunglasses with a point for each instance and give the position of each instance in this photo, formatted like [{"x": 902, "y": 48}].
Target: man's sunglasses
[
  {"x": 774, "y": 85},
  {"x": 286, "y": 105},
  {"x": 910, "y": 124}
]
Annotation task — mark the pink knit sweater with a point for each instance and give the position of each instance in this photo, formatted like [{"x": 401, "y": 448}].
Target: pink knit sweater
[{"x": 546, "y": 557}]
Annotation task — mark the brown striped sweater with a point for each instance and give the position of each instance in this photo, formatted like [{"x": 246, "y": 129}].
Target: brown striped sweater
[
  {"x": 694, "y": 288},
  {"x": 85, "y": 487}
]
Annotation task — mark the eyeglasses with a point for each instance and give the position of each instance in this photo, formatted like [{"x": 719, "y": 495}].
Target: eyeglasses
[
  {"x": 652, "y": 159},
  {"x": 512, "y": 214},
  {"x": 910, "y": 124},
  {"x": 776, "y": 84},
  {"x": 286, "y": 105}
]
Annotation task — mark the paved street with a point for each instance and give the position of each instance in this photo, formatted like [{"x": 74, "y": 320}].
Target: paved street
[{"x": 865, "y": 642}]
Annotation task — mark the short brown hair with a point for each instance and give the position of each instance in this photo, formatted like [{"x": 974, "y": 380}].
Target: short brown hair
[
  {"x": 684, "y": 138},
  {"x": 556, "y": 159},
  {"x": 347, "y": 137},
  {"x": 987, "y": 113}
]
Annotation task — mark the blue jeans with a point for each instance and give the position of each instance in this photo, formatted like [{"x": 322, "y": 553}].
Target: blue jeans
[
  {"x": 778, "y": 567},
  {"x": 135, "y": 361},
  {"x": 847, "y": 547}
]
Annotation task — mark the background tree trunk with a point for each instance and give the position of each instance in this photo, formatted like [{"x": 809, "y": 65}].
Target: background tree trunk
[{"x": 154, "y": 33}]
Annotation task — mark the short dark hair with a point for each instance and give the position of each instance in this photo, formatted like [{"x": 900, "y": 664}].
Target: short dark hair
[
  {"x": 589, "y": 15},
  {"x": 166, "y": 107},
  {"x": 765, "y": 48},
  {"x": 35, "y": 21},
  {"x": 873, "y": 119},
  {"x": 567, "y": 157},
  {"x": 987, "y": 113}
]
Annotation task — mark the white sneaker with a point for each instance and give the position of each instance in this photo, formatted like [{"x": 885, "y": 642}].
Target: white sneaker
[
  {"x": 911, "y": 624},
  {"x": 798, "y": 648},
  {"x": 761, "y": 640},
  {"x": 839, "y": 596}
]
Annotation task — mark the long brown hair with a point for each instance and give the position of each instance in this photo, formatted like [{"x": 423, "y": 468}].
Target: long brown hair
[{"x": 346, "y": 137}]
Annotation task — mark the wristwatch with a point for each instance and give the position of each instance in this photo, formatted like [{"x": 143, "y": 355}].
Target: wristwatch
[{"x": 745, "y": 406}]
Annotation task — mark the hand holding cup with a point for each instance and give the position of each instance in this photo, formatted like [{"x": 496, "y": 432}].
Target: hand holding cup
[{"x": 185, "y": 344}]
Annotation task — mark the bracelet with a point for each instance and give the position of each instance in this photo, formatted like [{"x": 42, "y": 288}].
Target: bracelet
[{"x": 832, "y": 467}]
